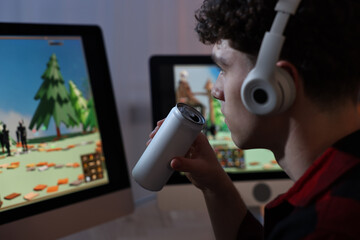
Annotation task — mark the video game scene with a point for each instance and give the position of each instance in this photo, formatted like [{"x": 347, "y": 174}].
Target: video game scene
[
  {"x": 193, "y": 86},
  {"x": 50, "y": 144}
]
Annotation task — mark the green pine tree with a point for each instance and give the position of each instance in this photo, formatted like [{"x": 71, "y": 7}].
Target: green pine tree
[
  {"x": 79, "y": 103},
  {"x": 54, "y": 100},
  {"x": 91, "y": 119},
  {"x": 219, "y": 117}
]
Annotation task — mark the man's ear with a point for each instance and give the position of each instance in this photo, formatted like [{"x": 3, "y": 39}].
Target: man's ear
[{"x": 291, "y": 69}]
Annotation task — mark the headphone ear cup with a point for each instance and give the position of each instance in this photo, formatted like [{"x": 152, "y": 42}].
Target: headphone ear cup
[
  {"x": 263, "y": 96},
  {"x": 287, "y": 89}
]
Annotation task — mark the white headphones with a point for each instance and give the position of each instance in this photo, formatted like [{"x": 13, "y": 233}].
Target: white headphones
[{"x": 268, "y": 89}]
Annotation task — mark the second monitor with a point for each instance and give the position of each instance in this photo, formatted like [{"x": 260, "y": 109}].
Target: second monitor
[{"x": 189, "y": 79}]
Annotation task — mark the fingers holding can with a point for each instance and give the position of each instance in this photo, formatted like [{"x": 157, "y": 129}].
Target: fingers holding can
[{"x": 153, "y": 133}]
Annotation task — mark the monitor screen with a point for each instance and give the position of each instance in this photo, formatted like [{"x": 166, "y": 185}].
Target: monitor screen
[
  {"x": 189, "y": 79},
  {"x": 60, "y": 136}
]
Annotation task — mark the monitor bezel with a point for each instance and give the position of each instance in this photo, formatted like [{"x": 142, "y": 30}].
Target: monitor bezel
[
  {"x": 109, "y": 125},
  {"x": 161, "y": 80}
]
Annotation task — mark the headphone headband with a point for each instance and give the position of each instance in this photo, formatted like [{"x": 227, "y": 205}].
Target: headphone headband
[
  {"x": 288, "y": 6},
  {"x": 263, "y": 93},
  {"x": 273, "y": 40}
]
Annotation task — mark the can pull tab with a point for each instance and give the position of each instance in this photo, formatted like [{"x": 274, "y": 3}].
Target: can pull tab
[
  {"x": 194, "y": 117},
  {"x": 190, "y": 113}
]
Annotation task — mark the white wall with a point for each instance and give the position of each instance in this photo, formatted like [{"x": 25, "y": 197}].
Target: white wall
[{"x": 133, "y": 31}]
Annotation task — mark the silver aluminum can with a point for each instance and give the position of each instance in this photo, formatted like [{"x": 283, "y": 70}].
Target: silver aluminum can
[{"x": 173, "y": 139}]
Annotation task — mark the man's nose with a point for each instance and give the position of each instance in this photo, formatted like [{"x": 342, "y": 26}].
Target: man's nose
[{"x": 218, "y": 91}]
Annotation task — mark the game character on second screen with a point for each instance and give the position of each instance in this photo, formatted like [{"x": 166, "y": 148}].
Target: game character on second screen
[
  {"x": 185, "y": 95},
  {"x": 211, "y": 127},
  {"x": 21, "y": 136}
]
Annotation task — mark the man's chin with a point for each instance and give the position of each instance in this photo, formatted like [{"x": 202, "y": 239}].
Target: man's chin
[
  {"x": 237, "y": 142},
  {"x": 240, "y": 143}
]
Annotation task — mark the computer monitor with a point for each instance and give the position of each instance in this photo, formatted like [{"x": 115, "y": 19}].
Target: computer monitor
[
  {"x": 189, "y": 79},
  {"x": 62, "y": 162}
]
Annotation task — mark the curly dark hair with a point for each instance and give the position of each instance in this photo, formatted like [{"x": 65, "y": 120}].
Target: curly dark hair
[{"x": 322, "y": 40}]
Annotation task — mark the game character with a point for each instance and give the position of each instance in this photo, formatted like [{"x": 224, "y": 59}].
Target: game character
[
  {"x": 211, "y": 127},
  {"x": 212, "y": 130},
  {"x": 2, "y": 141},
  {"x": 185, "y": 95},
  {"x": 6, "y": 139},
  {"x": 21, "y": 136}
]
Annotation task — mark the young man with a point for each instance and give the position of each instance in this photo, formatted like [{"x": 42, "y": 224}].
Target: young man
[{"x": 315, "y": 140}]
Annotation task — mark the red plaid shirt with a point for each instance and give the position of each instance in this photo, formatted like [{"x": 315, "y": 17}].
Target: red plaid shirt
[{"x": 323, "y": 204}]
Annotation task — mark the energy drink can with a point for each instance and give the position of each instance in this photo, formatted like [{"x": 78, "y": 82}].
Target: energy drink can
[{"x": 173, "y": 139}]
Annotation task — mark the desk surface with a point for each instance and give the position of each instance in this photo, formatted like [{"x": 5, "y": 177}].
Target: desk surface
[{"x": 149, "y": 222}]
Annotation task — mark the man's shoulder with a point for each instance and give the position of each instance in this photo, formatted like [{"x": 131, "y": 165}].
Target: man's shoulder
[
  {"x": 348, "y": 186},
  {"x": 337, "y": 210},
  {"x": 334, "y": 212}
]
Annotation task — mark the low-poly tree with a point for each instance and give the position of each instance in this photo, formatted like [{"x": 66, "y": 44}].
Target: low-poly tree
[
  {"x": 219, "y": 117},
  {"x": 80, "y": 104},
  {"x": 91, "y": 119},
  {"x": 54, "y": 100}
]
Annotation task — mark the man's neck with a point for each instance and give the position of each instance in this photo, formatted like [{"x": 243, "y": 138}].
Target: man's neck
[{"x": 311, "y": 132}]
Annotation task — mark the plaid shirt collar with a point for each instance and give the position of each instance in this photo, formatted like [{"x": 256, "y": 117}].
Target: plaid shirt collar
[{"x": 329, "y": 167}]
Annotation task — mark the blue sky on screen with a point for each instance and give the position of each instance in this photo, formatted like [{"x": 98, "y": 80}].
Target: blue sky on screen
[{"x": 22, "y": 63}]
